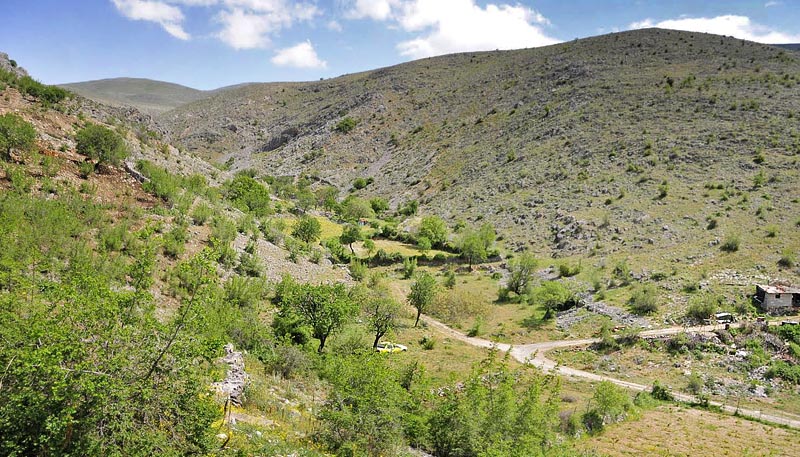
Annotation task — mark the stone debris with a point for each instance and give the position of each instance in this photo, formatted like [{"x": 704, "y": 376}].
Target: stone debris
[
  {"x": 234, "y": 383},
  {"x": 573, "y": 316}
]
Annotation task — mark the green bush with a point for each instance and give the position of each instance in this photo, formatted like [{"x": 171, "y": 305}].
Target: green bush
[
  {"x": 249, "y": 265},
  {"x": 358, "y": 270},
  {"x": 248, "y": 195},
  {"x": 731, "y": 244},
  {"x": 101, "y": 143},
  {"x": 307, "y": 229},
  {"x": 201, "y": 213},
  {"x": 554, "y": 295},
  {"x": 345, "y": 125},
  {"x": 644, "y": 299},
  {"x": 16, "y": 134},
  {"x": 409, "y": 267}
]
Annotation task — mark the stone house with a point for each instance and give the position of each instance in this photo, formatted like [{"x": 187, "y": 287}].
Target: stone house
[{"x": 777, "y": 298}]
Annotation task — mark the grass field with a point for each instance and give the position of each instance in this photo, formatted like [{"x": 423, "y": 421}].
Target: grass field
[{"x": 675, "y": 431}]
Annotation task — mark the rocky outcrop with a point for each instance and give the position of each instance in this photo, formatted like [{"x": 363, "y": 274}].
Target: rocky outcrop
[
  {"x": 234, "y": 383},
  {"x": 9, "y": 64}
]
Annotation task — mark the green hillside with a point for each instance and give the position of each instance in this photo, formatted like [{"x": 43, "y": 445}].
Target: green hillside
[{"x": 145, "y": 94}]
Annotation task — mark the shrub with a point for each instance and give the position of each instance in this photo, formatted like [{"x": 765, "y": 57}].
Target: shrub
[
  {"x": 731, "y": 244},
  {"x": 16, "y": 134},
  {"x": 427, "y": 343},
  {"x": 201, "y": 213},
  {"x": 358, "y": 270},
  {"x": 345, "y": 125},
  {"x": 409, "y": 266},
  {"x": 554, "y": 295},
  {"x": 101, "y": 143},
  {"x": 249, "y": 265},
  {"x": 359, "y": 183},
  {"x": 307, "y": 229},
  {"x": 787, "y": 259},
  {"x": 661, "y": 392},
  {"x": 644, "y": 299},
  {"x": 702, "y": 306},
  {"x": 288, "y": 362},
  {"x": 248, "y": 195},
  {"x": 243, "y": 292},
  {"x": 565, "y": 271}
]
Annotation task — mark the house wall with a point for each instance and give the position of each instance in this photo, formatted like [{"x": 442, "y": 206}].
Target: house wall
[{"x": 773, "y": 301}]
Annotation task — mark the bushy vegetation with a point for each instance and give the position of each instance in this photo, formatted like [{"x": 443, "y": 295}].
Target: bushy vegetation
[
  {"x": 102, "y": 144},
  {"x": 248, "y": 195},
  {"x": 48, "y": 95},
  {"x": 16, "y": 134}
]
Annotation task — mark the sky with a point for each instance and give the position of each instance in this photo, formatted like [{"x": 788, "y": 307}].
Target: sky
[{"x": 208, "y": 44}]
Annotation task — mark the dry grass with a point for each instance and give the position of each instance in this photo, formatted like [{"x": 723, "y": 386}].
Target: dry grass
[{"x": 673, "y": 431}]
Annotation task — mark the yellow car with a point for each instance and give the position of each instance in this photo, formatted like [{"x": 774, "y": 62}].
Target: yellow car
[{"x": 388, "y": 347}]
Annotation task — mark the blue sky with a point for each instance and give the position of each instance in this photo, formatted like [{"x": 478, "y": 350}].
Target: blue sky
[{"x": 213, "y": 43}]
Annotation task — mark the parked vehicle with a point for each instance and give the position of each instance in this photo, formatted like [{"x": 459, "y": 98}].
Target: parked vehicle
[{"x": 388, "y": 347}]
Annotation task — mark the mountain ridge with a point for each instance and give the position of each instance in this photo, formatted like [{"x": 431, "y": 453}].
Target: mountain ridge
[{"x": 545, "y": 143}]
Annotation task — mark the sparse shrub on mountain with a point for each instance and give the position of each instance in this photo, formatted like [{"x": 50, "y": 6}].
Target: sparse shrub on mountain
[
  {"x": 102, "y": 144},
  {"x": 346, "y": 125},
  {"x": 16, "y": 134},
  {"x": 644, "y": 299}
]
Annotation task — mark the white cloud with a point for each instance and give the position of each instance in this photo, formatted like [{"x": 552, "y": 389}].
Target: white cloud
[
  {"x": 249, "y": 24},
  {"x": 301, "y": 55},
  {"x": 379, "y": 10},
  {"x": 462, "y": 25},
  {"x": 243, "y": 30},
  {"x": 334, "y": 25},
  {"x": 168, "y": 16},
  {"x": 732, "y": 25},
  {"x": 772, "y": 3}
]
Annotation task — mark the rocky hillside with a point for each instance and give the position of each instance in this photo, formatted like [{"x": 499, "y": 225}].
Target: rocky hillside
[
  {"x": 144, "y": 94},
  {"x": 623, "y": 142}
]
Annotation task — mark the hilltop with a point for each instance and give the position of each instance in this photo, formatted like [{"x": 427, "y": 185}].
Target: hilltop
[{"x": 146, "y": 95}]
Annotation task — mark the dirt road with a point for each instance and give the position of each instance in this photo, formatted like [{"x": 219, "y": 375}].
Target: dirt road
[{"x": 535, "y": 354}]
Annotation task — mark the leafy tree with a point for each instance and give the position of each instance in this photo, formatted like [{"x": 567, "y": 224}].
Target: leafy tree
[
  {"x": 367, "y": 409},
  {"x": 324, "y": 308},
  {"x": 423, "y": 292},
  {"x": 381, "y": 312},
  {"x": 326, "y": 197},
  {"x": 472, "y": 248},
  {"x": 555, "y": 296},
  {"x": 498, "y": 412},
  {"x": 16, "y": 133},
  {"x": 308, "y": 229},
  {"x": 351, "y": 233},
  {"x": 108, "y": 379},
  {"x": 248, "y": 195},
  {"x": 611, "y": 404},
  {"x": 354, "y": 208},
  {"x": 522, "y": 269},
  {"x": 475, "y": 245},
  {"x": 424, "y": 244},
  {"x": 434, "y": 229},
  {"x": 379, "y": 205},
  {"x": 369, "y": 245},
  {"x": 101, "y": 143}
]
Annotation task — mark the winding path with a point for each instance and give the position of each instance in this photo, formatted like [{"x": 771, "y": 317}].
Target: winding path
[{"x": 535, "y": 354}]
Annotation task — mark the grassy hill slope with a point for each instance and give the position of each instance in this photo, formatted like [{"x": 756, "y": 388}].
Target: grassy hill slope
[
  {"x": 622, "y": 144},
  {"x": 145, "y": 94}
]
